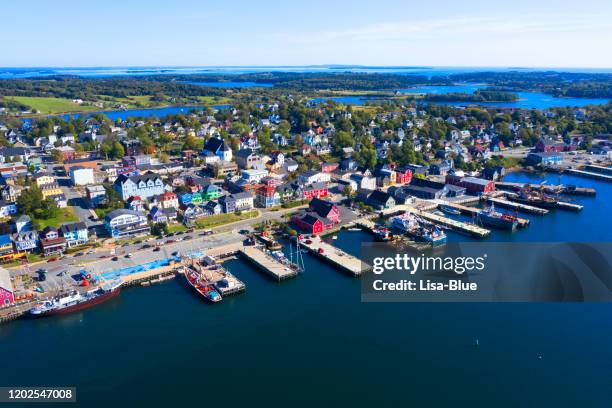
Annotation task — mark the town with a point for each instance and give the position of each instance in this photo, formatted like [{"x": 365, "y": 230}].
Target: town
[{"x": 90, "y": 193}]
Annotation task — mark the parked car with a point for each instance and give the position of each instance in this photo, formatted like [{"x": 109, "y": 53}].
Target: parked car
[
  {"x": 115, "y": 258},
  {"x": 157, "y": 249}
]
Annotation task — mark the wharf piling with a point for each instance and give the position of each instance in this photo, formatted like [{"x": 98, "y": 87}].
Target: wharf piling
[
  {"x": 267, "y": 263},
  {"x": 517, "y": 206},
  {"x": 335, "y": 256},
  {"x": 471, "y": 229}
]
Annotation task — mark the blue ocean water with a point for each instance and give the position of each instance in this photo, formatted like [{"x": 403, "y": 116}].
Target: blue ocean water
[{"x": 311, "y": 342}]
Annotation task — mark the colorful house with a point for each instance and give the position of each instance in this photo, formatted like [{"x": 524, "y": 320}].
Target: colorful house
[
  {"x": 51, "y": 242},
  {"x": 210, "y": 192},
  {"x": 7, "y": 296},
  {"x": 315, "y": 190},
  {"x": 325, "y": 209},
  {"x": 75, "y": 233},
  {"x": 266, "y": 197}
]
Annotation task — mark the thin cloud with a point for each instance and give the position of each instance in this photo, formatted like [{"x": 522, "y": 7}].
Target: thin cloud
[{"x": 440, "y": 28}]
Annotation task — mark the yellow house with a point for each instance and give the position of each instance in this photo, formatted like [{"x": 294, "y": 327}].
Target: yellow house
[
  {"x": 49, "y": 190},
  {"x": 43, "y": 179}
]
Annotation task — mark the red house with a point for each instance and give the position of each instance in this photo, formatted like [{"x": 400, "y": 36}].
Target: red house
[
  {"x": 311, "y": 223},
  {"x": 7, "y": 296},
  {"x": 325, "y": 209},
  {"x": 548, "y": 145},
  {"x": 403, "y": 176},
  {"x": 315, "y": 190},
  {"x": 471, "y": 184}
]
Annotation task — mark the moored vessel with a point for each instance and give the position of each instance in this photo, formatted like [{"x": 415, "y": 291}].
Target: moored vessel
[
  {"x": 419, "y": 229},
  {"x": 73, "y": 301},
  {"x": 203, "y": 288},
  {"x": 491, "y": 218}
]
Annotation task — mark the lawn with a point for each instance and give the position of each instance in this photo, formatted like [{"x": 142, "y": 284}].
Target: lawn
[
  {"x": 214, "y": 100},
  {"x": 52, "y": 105},
  {"x": 65, "y": 215},
  {"x": 172, "y": 228},
  {"x": 221, "y": 219}
]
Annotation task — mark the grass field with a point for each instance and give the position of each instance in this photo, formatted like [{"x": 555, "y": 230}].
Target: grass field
[
  {"x": 214, "y": 100},
  {"x": 52, "y": 105},
  {"x": 221, "y": 219},
  {"x": 65, "y": 215}
]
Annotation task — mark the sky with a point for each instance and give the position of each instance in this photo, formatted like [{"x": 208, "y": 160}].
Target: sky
[{"x": 67, "y": 33}]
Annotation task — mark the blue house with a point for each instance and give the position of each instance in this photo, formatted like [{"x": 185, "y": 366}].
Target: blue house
[
  {"x": 26, "y": 241},
  {"x": 544, "y": 158},
  {"x": 75, "y": 233}
]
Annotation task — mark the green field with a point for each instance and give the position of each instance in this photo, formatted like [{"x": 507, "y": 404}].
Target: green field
[
  {"x": 65, "y": 215},
  {"x": 52, "y": 105},
  {"x": 221, "y": 219}
]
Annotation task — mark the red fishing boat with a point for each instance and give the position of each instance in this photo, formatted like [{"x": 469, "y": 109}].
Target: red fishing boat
[{"x": 201, "y": 286}]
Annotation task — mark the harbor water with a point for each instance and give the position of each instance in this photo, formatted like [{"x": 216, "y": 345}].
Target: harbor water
[{"x": 309, "y": 341}]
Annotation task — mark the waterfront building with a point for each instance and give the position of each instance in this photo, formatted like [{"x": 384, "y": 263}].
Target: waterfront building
[
  {"x": 325, "y": 209},
  {"x": 380, "y": 200},
  {"x": 145, "y": 186},
  {"x": 51, "y": 242},
  {"x": 544, "y": 158},
  {"x": 7, "y": 296},
  {"x": 123, "y": 223},
  {"x": 75, "y": 233},
  {"x": 26, "y": 241},
  {"x": 472, "y": 185}
]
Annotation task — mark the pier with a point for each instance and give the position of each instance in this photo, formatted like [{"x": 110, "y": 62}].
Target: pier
[
  {"x": 335, "y": 256},
  {"x": 554, "y": 189},
  {"x": 473, "y": 211},
  {"x": 598, "y": 169},
  {"x": 471, "y": 229},
  {"x": 517, "y": 206},
  {"x": 222, "y": 279},
  {"x": 272, "y": 266},
  {"x": 589, "y": 174}
]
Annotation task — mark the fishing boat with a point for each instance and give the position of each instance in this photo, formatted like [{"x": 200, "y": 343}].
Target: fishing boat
[
  {"x": 74, "y": 301},
  {"x": 449, "y": 210},
  {"x": 419, "y": 229},
  {"x": 534, "y": 198},
  {"x": 491, "y": 218},
  {"x": 201, "y": 286}
]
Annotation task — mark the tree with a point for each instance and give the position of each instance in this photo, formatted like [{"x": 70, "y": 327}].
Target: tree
[
  {"x": 117, "y": 150},
  {"x": 159, "y": 229},
  {"x": 57, "y": 156},
  {"x": 348, "y": 192}
]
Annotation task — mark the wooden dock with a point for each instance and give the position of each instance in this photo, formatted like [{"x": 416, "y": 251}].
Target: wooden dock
[
  {"x": 471, "y": 229},
  {"x": 554, "y": 189},
  {"x": 222, "y": 279},
  {"x": 569, "y": 206},
  {"x": 337, "y": 257},
  {"x": 473, "y": 211},
  {"x": 589, "y": 174},
  {"x": 517, "y": 206},
  {"x": 267, "y": 263},
  {"x": 598, "y": 169}
]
